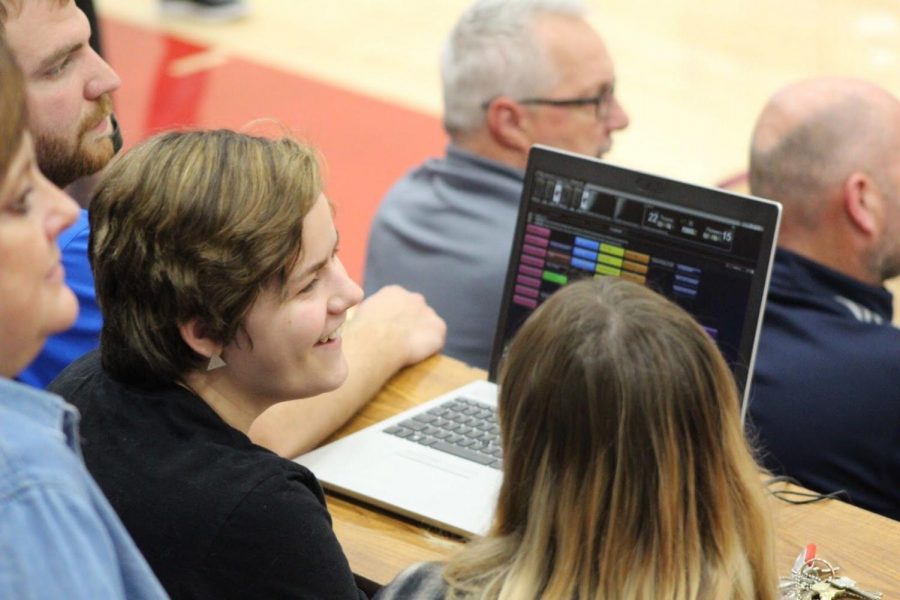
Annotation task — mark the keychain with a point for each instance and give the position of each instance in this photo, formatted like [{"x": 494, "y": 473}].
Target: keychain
[{"x": 814, "y": 578}]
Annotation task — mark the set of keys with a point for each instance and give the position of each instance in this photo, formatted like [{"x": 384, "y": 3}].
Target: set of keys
[{"x": 814, "y": 578}]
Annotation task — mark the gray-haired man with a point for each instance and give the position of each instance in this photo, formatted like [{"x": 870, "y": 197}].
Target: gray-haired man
[{"x": 515, "y": 73}]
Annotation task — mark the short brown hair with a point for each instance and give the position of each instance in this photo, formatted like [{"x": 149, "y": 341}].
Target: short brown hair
[
  {"x": 192, "y": 225},
  {"x": 12, "y": 107}
]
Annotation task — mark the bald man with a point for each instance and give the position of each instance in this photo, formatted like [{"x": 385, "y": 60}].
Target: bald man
[{"x": 826, "y": 399}]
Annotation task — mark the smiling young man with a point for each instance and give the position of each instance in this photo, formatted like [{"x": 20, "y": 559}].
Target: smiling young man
[
  {"x": 68, "y": 90},
  {"x": 515, "y": 73},
  {"x": 248, "y": 299}
]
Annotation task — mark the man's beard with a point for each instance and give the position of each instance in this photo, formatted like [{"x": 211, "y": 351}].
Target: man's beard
[{"x": 62, "y": 163}]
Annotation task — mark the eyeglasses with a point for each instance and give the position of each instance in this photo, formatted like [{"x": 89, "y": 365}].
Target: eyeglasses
[{"x": 602, "y": 102}]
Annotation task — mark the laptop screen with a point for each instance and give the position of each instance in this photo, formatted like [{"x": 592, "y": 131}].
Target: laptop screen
[{"x": 708, "y": 250}]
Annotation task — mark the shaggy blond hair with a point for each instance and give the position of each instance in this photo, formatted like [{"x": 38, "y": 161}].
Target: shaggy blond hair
[{"x": 193, "y": 225}]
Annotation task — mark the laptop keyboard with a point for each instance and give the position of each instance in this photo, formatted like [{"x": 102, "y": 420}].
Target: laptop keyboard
[{"x": 461, "y": 427}]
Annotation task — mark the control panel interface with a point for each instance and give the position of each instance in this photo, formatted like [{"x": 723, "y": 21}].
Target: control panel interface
[{"x": 702, "y": 262}]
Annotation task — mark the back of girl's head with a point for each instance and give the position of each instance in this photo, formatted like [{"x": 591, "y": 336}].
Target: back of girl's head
[
  {"x": 626, "y": 473},
  {"x": 12, "y": 107},
  {"x": 193, "y": 225}
]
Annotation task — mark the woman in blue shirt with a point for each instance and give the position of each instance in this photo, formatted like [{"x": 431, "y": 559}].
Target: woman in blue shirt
[{"x": 59, "y": 538}]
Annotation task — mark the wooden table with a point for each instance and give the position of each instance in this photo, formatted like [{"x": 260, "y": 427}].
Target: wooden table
[{"x": 379, "y": 545}]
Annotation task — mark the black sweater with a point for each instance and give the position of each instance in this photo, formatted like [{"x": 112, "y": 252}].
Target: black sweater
[{"x": 215, "y": 515}]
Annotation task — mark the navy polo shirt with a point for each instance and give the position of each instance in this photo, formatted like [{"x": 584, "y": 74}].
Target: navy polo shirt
[{"x": 825, "y": 401}]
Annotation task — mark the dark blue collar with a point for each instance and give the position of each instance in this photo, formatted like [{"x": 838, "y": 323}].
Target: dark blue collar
[{"x": 793, "y": 273}]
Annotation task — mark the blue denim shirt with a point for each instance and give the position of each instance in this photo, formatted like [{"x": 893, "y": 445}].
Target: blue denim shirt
[{"x": 59, "y": 537}]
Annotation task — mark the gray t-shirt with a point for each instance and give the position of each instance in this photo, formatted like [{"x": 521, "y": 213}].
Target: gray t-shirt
[{"x": 445, "y": 230}]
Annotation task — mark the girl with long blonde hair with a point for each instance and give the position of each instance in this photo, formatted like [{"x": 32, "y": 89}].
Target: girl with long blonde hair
[{"x": 626, "y": 473}]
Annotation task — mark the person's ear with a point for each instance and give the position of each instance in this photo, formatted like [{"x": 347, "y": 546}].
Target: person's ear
[
  {"x": 507, "y": 121},
  {"x": 194, "y": 335},
  {"x": 863, "y": 203}
]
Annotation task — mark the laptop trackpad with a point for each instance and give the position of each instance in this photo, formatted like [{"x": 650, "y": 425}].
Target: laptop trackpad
[
  {"x": 430, "y": 486},
  {"x": 434, "y": 460}
]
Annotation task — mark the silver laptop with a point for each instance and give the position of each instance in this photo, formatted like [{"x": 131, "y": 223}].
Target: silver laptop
[{"x": 708, "y": 250}]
